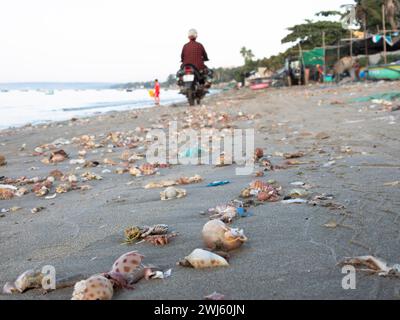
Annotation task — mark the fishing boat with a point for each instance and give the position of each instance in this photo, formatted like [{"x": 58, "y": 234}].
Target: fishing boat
[{"x": 384, "y": 72}]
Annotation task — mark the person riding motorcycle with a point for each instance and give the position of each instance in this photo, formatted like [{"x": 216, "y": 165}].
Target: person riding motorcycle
[{"x": 193, "y": 53}]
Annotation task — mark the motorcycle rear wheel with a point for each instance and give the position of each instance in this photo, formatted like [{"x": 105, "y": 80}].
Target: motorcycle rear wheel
[{"x": 190, "y": 97}]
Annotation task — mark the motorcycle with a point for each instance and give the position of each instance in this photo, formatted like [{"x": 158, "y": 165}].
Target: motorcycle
[{"x": 194, "y": 83}]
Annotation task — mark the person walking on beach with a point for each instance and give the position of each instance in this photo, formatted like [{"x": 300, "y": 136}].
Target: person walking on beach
[{"x": 157, "y": 92}]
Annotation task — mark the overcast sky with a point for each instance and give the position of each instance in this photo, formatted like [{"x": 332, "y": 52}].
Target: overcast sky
[{"x": 133, "y": 40}]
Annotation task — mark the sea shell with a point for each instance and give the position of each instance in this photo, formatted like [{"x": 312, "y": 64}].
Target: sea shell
[
  {"x": 30, "y": 279},
  {"x": 58, "y": 156},
  {"x": 246, "y": 193},
  {"x": 21, "y": 191},
  {"x": 218, "y": 236},
  {"x": 259, "y": 153},
  {"x": 95, "y": 288},
  {"x": 172, "y": 193},
  {"x": 147, "y": 169},
  {"x": 258, "y": 185},
  {"x": 125, "y": 155},
  {"x": 135, "y": 172},
  {"x": 127, "y": 264},
  {"x": 89, "y": 176},
  {"x": 6, "y": 194},
  {"x": 185, "y": 180},
  {"x": 2, "y": 161},
  {"x": 161, "y": 184},
  {"x": 263, "y": 196},
  {"x": 201, "y": 259},
  {"x": 64, "y": 188},
  {"x": 160, "y": 240}
]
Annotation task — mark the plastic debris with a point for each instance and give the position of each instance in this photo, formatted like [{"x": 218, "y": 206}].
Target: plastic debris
[{"x": 218, "y": 183}]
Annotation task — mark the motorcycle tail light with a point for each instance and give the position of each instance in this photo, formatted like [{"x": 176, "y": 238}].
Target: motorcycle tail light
[{"x": 188, "y": 70}]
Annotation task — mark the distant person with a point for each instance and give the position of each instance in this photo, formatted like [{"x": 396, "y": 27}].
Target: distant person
[
  {"x": 194, "y": 53},
  {"x": 357, "y": 69},
  {"x": 320, "y": 73},
  {"x": 157, "y": 92}
]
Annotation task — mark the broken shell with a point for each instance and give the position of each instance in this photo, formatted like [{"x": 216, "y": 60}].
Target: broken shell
[
  {"x": 2, "y": 161},
  {"x": 200, "y": 259},
  {"x": 56, "y": 174},
  {"x": 28, "y": 280},
  {"x": 21, "y": 191},
  {"x": 127, "y": 264},
  {"x": 246, "y": 193},
  {"x": 135, "y": 172},
  {"x": 162, "y": 184},
  {"x": 172, "y": 193},
  {"x": 58, "y": 156},
  {"x": 36, "y": 210},
  {"x": 89, "y": 176},
  {"x": 9, "y": 288},
  {"x": 6, "y": 194},
  {"x": 95, "y": 288},
  {"x": 263, "y": 196},
  {"x": 125, "y": 155},
  {"x": 218, "y": 236},
  {"x": 64, "y": 188},
  {"x": 148, "y": 169},
  {"x": 259, "y": 153}
]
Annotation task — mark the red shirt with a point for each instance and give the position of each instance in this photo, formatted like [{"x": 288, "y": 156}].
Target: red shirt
[
  {"x": 194, "y": 53},
  {"x": 157, "y": 89}
]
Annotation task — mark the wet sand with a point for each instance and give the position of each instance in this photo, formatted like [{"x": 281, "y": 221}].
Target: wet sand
[{"x": 290, "y": 254}]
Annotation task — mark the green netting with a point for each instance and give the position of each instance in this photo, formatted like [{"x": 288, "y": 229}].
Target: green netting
[
  {"x": 389, "y": 96},
  {"x": 314, "y": 57}
]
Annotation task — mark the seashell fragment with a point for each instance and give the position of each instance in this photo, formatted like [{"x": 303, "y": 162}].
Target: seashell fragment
[
  {"x": 201, "y": 259},
  {"x": 148, "y": 169},
  {"x": 30, "y": 279},
  {"x": 3, "y": 161},
  {"x": 161, "y": 184},
  {"x": 6, "y": 194},
  {"x": 218, "y": 236},
  {"x": 172, "y": 193},
  {"x": 96, "y": 287},
  {"x": 135, "y": 172},
  {"x": 58, "y": 156}
]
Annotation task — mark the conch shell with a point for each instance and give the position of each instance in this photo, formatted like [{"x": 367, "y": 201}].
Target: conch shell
[
  {"x": 30, "y": 279},
  {"x": 96, "y": 287},
  {"x": 172, "y": 193},
  {"x": 201, "y": 259},
  {"x": 218, "y": 236}
]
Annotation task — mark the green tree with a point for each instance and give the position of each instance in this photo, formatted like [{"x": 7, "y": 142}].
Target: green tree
[{"x": 369, "y": 13}]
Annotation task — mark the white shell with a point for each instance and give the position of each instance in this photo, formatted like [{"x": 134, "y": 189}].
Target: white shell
[
  {"x": 200, "y": 259},
  {"x": 217, "y": 235}
]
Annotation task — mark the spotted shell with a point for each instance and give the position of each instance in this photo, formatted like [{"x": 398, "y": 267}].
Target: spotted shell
[
  {"x": 148, "y": 169},
  {"x": 6, "y": 194},
  {"x": 95, "y": 288},
  {"x": 201, "y": 259},
  {"x": 127, "y": 264}
]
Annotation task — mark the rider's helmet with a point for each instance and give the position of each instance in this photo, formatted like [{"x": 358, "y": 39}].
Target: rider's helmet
[{"x": 192, "y": 34}]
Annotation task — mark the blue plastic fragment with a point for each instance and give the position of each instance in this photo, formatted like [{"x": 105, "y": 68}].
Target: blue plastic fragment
[{"x": 218, "y": 183}]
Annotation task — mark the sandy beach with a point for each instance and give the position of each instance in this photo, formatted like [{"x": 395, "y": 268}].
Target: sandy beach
[{"x": 351, "y": 151}]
